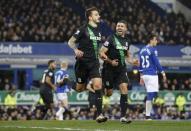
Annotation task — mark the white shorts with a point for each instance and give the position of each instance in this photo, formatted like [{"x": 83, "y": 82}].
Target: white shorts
[
  {"x": 151, "y": 83},
  {"x": 61, "y": 96}
]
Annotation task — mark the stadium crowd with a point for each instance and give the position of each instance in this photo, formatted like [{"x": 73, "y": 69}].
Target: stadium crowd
[
  {"x": 135, "y": 112},
  {"x": 52, "y": 21},
  {"x": 174, "y": 83}
]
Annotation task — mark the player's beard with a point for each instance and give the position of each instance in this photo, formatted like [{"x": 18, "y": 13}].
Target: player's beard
[
  {"x": 120, "y": 32},
  {"x": 96, "y": 21}
]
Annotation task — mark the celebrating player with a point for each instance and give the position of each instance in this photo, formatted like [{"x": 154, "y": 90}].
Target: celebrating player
[
  {"x": 114, "y": 52},
  {"x": 87, "y": 63}
]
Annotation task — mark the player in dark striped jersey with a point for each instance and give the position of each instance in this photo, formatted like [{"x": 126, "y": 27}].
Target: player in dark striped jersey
[{"x": 88, "y": 38}]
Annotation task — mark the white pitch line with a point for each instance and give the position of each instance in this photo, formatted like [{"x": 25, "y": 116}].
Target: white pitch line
[{"x": 52, "y": 128}]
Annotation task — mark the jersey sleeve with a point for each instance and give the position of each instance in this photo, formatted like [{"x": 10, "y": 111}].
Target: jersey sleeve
[
  {"x": 78, "y": 34},
  {"x": 50, "y": 74},
  {"x": 108, "y": 42},
  {"x": 156, "y": 60}
]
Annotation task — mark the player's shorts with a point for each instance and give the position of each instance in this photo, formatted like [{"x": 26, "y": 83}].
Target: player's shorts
[
  {"x": 85, "y": 71},
  {"x": 151, "y": 83},
  {"x": 114, "y": 77},
  {"x": 46, "y": 95},
  {"x": 61, "y": 96}
]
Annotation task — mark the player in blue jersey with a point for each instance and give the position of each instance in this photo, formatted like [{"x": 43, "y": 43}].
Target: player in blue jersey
[
  {"x": 149, "y": 68},
  {"x": 62, "y": 79}
]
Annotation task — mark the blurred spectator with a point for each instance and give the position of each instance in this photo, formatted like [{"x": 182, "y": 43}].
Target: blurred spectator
[
  {"x": 7, "y": 84},
  {"x": 171, "y": 28},
  {"x": 180, "y": 102},
  {"x": 135, "y": 112},
  {"x": 10, "y": 99}
]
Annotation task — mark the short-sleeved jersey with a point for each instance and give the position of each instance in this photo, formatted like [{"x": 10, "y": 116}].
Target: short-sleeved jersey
[
  {"x": 48, "y": 73},
  {"x": 117, "y": 49},
  {"x": 149, "y": 63},
  {"x": 88, "y": 39},
  {"x": 60, "y": 75}
]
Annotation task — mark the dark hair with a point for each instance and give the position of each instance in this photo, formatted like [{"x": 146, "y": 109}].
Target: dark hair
[
  {"x": 123, "y": 21},
  {"x": 50, "y": 62},
  {"x": 150, "y": 37},
  {"x": 89, "y": 11}
]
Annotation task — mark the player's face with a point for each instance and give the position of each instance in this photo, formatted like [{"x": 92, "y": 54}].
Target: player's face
[
  {"x": 64, "y": 65},
  {"x": 154, "y": 41},
  {"x": 121, "y": 29},
  {"x": 95, "y": 17},
  {"x": 53, "y": 65}
]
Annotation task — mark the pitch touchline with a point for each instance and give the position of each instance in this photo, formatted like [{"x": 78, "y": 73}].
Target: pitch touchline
[{"x": 52, "y": 128}]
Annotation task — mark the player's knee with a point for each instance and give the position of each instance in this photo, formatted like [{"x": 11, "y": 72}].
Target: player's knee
[{"x": 123, "y": 89}]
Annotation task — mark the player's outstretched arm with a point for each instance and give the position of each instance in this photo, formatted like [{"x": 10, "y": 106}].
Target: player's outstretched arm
[{"x": 131, "y": 60}]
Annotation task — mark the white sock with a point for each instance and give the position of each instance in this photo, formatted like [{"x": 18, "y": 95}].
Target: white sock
[
  {"x": 60, "y": 112},
  {"x": 148, "y": 108}
]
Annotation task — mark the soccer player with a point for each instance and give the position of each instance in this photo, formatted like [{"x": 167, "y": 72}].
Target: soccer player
[
  {"x": 87, "y": 64},
  {"x": 149, "y": 66},
  {"x": 114, "y": 52},
  {"x": 62, "y": 81},
  {"x": 48, "y": 85}
]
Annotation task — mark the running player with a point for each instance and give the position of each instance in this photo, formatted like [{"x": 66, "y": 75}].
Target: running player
[
  {"x": 87, "y": 64},
  {"x": 149, "y": 67},
  {"x": 62, "y": 81},
  {"x": 48, "y": 85}
]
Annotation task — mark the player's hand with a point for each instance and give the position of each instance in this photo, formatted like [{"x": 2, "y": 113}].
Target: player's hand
[
  {"x": 54, "y": 88},
  {"x": 115, "y": 62},
  {"x": 135, "y": 62},
  {"x": 103, "y": 56},
  {"x": 141, "y": 82},
  {"x": 78, "y": 53}
]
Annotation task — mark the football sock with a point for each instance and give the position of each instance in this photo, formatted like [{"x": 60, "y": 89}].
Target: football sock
[
  {"x": 123, "y": 104},
  {"x": 98, "y": 103}
]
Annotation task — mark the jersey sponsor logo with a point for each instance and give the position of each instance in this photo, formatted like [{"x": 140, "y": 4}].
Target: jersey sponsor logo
[
  {"x": 95, "y": 38},
  {"x": 119, "y": 47}
]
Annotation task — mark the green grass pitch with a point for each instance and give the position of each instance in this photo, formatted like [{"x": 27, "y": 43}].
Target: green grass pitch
[{"x": 88, "y": 125}]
